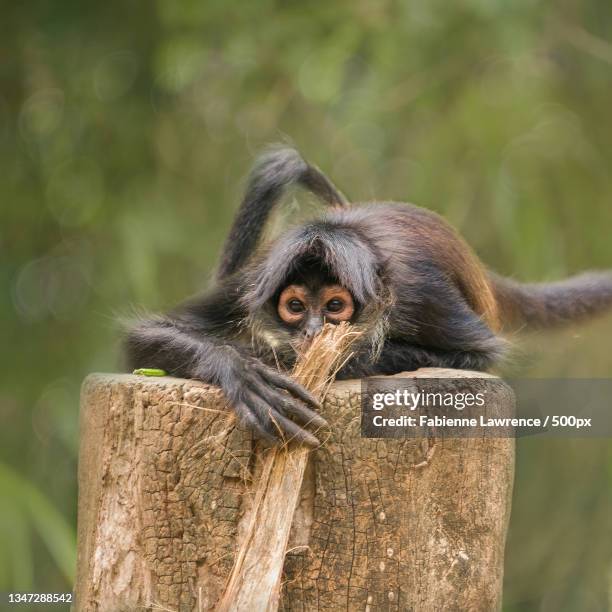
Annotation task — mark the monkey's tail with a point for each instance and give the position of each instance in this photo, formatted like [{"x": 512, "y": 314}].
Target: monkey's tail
[
  {"x": 541, "y": 305},
  {"x": 275, "y": 170}
]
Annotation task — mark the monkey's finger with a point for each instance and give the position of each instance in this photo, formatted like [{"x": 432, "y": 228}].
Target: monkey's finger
[
  {"x": 271, "y": 418},
  {"x": 296, "y": 410},
  {"x": 284, "y": 382},
  {"x": 288, "y": 406},
  {"x": 294, "y": 432},
  {"x": 284, "y": 403},
  {"x": 249, "y": 420}
]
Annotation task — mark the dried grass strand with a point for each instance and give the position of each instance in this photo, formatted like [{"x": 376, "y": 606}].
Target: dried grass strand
[{"x": 255, "y": 580}]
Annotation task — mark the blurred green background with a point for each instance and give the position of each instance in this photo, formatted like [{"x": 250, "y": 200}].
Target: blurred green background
[{"x": 126, "y": 131}]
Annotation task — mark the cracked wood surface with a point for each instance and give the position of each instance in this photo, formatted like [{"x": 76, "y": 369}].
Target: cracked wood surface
[{"x": 165, "y": 488}]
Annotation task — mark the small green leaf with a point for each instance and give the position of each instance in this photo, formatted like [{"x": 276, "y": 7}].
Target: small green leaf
[{"x": 150, "y": 372}]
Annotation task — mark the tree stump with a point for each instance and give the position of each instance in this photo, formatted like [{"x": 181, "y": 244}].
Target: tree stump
[{"x": 165, "y": 487}]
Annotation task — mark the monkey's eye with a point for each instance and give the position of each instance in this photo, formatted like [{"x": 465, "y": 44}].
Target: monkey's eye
[
  {"x": 295, "y": 306},
  {"x": 337, "y": 303},
  {"x": 334, "y": 305},
  {"x": 292, "y": 304}
]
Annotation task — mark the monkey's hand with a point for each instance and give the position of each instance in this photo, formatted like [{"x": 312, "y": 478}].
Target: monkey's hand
[{"x": 268, "y": 402}]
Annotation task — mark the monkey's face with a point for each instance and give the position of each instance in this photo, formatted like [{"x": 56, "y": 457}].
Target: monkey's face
[{"x": 305, "y": 307}]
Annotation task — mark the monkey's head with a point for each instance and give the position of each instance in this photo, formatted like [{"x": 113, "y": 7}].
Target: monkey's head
[{"x": 316, "y": 274}]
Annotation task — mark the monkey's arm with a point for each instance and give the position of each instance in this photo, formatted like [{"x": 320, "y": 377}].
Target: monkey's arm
[
  {"x": 443, "y": 333},
  {"x": 186, "y": 345},
  {"x": 401, "y": 356},
  {"x": 274, "y": 171}
]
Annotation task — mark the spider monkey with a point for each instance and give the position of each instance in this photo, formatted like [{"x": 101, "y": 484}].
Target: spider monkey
[{"x": 400, "y": 273}]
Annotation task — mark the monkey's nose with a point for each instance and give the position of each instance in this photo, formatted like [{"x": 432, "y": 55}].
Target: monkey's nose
[
  {"x": 311, "y": 329},
  {"x": 308, "y": 337},
  {"x": 306, "y": 340}
]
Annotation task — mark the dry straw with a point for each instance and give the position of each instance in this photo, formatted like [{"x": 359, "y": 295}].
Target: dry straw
[{"x": 255, "y": 580}]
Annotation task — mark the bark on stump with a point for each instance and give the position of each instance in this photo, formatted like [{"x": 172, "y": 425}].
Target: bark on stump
[{"x": 165, "y": 491}]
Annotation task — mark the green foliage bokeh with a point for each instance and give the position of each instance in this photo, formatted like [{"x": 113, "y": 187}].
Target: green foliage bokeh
[{"x": 126, "y": 130}]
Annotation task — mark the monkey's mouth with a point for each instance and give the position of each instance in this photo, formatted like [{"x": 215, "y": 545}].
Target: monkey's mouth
[
  {"x": 303, "y": 341},
  {"x": 301, "y": 345}
]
